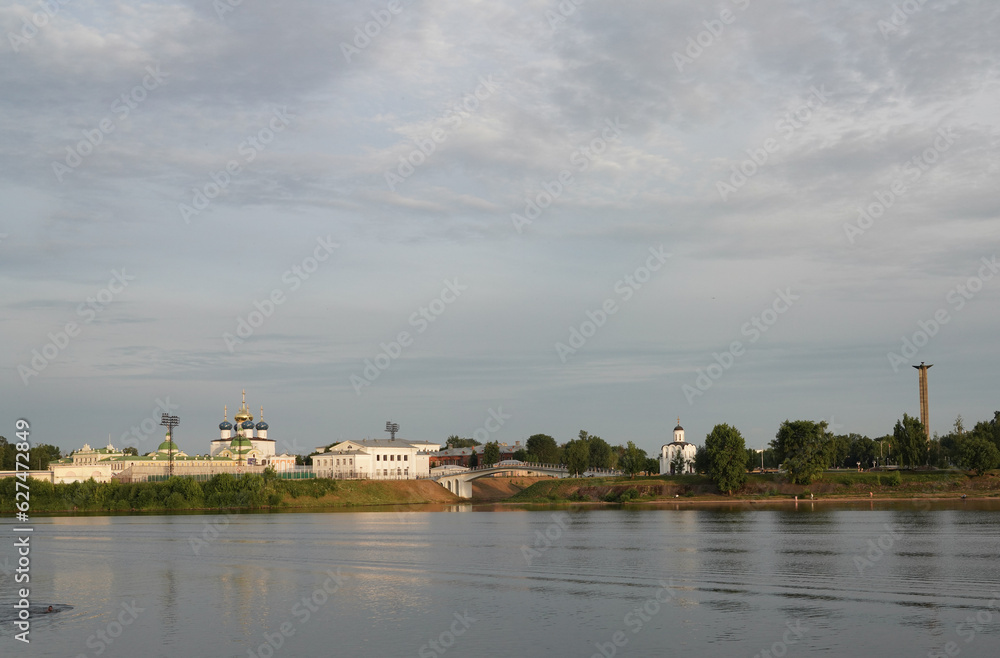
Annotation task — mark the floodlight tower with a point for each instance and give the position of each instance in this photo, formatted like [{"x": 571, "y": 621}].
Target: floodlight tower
[
  {"x": 392, "y": 428},
  {"x": 925, "y": 414},
  {"x": 170, "y": 422}
]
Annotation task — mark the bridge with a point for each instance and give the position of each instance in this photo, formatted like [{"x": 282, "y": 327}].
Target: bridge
[{"x": 460, "y": 484}]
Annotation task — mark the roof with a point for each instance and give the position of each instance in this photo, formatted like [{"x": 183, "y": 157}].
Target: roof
[{"x": 377, "y": 443}]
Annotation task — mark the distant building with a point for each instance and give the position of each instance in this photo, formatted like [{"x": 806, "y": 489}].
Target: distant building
[
  {"x": 680, "y": 447},
  {"x": 239, "y": 449},
  {"x": 463, "y": 456},
  {"x": 373, "y": 459}
]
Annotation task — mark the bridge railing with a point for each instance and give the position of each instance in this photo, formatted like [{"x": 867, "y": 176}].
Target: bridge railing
[{"x": 513, "y": 467}]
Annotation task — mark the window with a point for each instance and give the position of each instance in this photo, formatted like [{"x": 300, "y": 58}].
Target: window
[
  {"x": 406, "y": 458},
  {"x": 378, "y": 457}
]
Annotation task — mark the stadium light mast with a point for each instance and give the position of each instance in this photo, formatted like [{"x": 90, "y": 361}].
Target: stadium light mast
[
  {"x": 392, "y": 428},
  {"x": 170, "y": 422}
]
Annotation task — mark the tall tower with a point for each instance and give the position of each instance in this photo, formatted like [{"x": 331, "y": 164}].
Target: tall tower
[{"x": 925, "y": 414}]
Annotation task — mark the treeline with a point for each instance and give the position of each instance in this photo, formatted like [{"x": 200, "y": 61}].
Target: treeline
[
  {"x": 222, "y": 491},
  {"x": 586, "y": 452},
  {"x": 38, "y": 457},
  {"x": 805, "y": 448}
]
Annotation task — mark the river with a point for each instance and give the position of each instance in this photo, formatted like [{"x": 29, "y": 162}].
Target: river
[{"x": 840, "y": 579}]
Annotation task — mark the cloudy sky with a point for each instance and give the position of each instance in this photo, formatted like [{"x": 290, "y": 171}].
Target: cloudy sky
[{"x": 594, "y": 216}]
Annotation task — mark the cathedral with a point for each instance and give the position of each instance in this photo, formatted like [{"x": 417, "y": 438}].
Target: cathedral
[
  {"x": 243, "y": 447},
  {"x": 669, "y": 454}
]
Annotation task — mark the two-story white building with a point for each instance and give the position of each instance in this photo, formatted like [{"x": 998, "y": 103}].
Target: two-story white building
[{"x": 374, "y": 459}]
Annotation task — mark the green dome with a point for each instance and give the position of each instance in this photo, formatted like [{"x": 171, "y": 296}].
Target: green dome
[
  {"x": 240, "y": 444},
  {"x": 167, "y": 446}
]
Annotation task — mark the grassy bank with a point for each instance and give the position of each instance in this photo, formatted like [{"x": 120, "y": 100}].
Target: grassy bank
[
  {"x": 832, "y": 484},
  {"x": 220, "y": 492}
]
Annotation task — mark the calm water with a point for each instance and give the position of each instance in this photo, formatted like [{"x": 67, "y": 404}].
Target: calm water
[{"x": 700, "y": 582}]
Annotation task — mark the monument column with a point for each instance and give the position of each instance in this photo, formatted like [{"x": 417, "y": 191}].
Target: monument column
[{"x": 925, "y": 415}]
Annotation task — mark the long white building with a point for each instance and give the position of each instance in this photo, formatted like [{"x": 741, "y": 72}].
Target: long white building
[{"x": 374, "y": 459}]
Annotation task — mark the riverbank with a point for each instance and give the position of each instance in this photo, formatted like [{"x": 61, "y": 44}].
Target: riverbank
[
  {"x": 254, "y": 492},
  {"x": 832, "y": 485},
  {"x": 250, "y": 492}
]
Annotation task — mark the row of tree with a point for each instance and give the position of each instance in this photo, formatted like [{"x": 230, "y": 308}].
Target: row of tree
[
  {"x": 805, "y": 448},
  {"x": 38, "y": 456},
  {"x": 586, "y": 452}
]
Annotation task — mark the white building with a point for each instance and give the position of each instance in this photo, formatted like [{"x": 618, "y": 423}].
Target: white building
[
  {"x": 679, "y": 446},
  {"x": 373, "y": 459}
]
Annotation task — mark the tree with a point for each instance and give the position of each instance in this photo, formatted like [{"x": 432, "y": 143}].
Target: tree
[
  {"x": 455, "y": 441},
  {"x": 801, "y": 447},
  {"x": 701, "y": 464},
  {"x": 491, "y": 453},
  {"x": 577, "y": 456},
  {"x": 632, "y": 460},
  {"x": 652, "y": 465},
  {"x": 543, "y": 447},
  {"x": 978, "y": 454},
  {"x": 520, "y": 455},
  {"x": 677, "y": 464},
  {"x": 474, "y": 459},
  {"x": 862, "y": 450},
  {"x": 727, "y": 458},
  {"x": 131, "y": 450},
  {"x": 600, "y": 453},
  {"x": 911, "y": 441},
  {"x": 837, "y": 449}
]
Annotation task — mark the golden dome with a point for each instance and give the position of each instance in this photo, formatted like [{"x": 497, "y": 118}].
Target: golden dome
[{"x": 244, "y": 413}]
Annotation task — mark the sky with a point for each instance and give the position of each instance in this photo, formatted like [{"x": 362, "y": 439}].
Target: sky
[{"x": 496, "y": 219}]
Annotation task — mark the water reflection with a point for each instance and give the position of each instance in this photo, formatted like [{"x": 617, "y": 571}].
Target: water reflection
[{"x": 739, "y": 575}]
